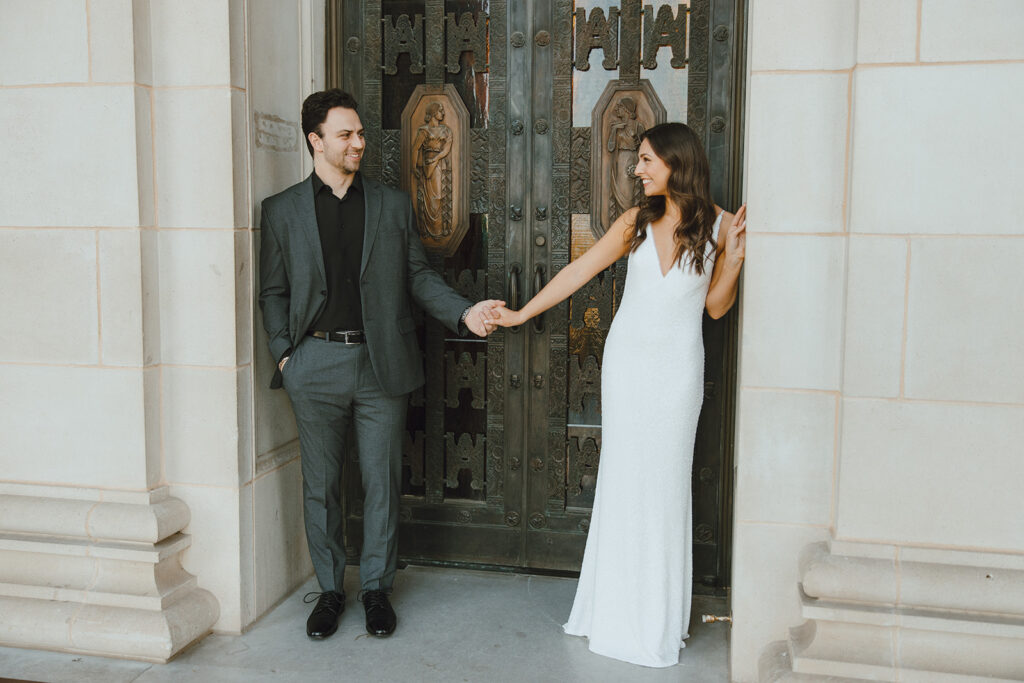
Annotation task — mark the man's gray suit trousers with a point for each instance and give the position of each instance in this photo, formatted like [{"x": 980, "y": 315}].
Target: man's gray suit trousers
[{"x": 333, "y": 389}]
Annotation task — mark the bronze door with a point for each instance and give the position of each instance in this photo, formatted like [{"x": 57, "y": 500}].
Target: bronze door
[{"x": 513, "y": 126}]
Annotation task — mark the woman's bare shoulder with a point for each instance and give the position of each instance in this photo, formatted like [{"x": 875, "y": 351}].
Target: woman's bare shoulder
[
  {"x": 622, "y": 227},
  {"x": 626, "y": 220}
]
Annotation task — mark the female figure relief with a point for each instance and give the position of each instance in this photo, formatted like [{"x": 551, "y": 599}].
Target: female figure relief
[
  {"x": 432, "y": 169},
  {"x": 623, "y": 142}
]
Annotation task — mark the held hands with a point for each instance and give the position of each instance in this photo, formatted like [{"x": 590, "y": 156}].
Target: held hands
[
  {"x": 478, "y": 319},
  {"x": 503, "y": 317},
  {"x": 736, "y": 239}
]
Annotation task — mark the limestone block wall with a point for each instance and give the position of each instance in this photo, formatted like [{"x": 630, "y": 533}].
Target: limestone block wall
[
  {"x": 880, "y": 400},
  {"x": 76, "y": 187},
  {"x": 125, "y": 340},
  {"x": 202, "y": 198},
  {"x": 285, "y": 62}
]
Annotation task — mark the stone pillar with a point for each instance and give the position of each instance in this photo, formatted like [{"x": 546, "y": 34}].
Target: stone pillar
[
  {"x": 890, "y": 613},
  {"x": 879, "y": 533},
  {"x": 800, "y": 54},
  {"x": 285, "y": 62},
  {"x": 98, "y": 572},
  {"x": 202, "y": 243},
  {"x": 125, "y": 343}
]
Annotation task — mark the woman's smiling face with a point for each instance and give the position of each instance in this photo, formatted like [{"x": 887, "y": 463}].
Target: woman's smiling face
[{"x": 652, "y": 171}]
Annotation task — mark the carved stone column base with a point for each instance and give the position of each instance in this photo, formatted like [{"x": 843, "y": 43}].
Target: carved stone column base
[
  {"x": 888, "y": 613},
  {"x": 148, "y": 635},
  {"x": 98, "y": 573}
]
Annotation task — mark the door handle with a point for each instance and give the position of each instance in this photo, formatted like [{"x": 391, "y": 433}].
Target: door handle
[
  {"x": 513, "y": 289},
  {"x": 513, "y": 286},
  {"x": 538, "y": 284}
]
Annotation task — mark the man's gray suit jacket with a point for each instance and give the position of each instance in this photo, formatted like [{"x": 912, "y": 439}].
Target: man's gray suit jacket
[{"x": 394, "y": 272}]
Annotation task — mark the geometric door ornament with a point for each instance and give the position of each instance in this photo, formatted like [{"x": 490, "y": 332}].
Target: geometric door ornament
[
  {"x": 436, "y": 165},
  {"x": 621, "y": 115}
]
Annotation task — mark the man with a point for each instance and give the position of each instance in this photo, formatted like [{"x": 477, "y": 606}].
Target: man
[{"x": 340, "y": 264}]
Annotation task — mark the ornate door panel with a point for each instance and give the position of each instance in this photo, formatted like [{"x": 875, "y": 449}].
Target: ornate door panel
[{"x": 513, "y": 125}]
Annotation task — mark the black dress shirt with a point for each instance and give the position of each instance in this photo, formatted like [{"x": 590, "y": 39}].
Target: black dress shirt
[{"x": 340, "y": 222}]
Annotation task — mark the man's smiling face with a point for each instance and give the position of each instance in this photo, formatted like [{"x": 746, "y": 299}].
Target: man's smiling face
[{"x": 342, "y": 141}]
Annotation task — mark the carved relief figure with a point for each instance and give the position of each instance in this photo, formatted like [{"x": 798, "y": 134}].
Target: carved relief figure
[
  {"x": 589, "y": 339},
  {"x": 623, "y": 142},
  {"x": 432, "y": 169}
]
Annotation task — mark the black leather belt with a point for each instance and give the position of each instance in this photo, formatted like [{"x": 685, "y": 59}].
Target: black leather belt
[{"x": 342, "y": 336}]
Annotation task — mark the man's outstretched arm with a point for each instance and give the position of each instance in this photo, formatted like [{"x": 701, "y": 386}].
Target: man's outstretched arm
[{"x": 433, "y": 294}]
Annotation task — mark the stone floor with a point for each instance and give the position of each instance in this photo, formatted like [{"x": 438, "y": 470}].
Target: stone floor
[{"x": 453, "y": 625}]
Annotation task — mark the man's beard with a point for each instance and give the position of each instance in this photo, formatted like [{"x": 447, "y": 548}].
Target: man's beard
[
  {"x": 344, "y": 164},
  {"x": 349, "y": 165}
]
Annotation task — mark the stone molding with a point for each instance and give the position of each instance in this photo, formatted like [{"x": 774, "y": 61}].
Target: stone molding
[
  {"x": 149, "y": 518},
  {"x": 892, "y": 613},
  {"x": 98, "y": 572}
]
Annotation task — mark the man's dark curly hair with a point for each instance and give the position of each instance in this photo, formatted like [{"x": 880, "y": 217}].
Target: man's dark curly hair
[{"x": 315, "y": 108}]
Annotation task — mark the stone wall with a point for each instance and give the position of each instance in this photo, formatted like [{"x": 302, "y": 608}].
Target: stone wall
[
  {"x": 128, "y": 196},
  {"x": 125, "y": 181},
  {"x": 881, "y": 406},
  {"x": 285, "y": 64}
]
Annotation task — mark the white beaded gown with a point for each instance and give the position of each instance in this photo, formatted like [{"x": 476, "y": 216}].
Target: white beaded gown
[{"x": 633, "y": 597}]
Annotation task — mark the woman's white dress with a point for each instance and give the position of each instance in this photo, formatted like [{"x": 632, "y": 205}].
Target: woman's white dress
[{"x": 633, "y": 597}]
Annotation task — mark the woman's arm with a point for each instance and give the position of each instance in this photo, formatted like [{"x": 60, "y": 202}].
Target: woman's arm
[
  {"x": 605, "y": 252},
  {"x": 732, "y": 246}
]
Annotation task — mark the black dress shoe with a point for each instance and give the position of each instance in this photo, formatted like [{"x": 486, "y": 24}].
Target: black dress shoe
[
  {"x": 323, "y": 620},
  {"x": 380, "y": 616}
]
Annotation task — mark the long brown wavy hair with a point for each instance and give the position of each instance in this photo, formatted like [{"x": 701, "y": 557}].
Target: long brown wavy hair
[{"x": 689, "y": 186}]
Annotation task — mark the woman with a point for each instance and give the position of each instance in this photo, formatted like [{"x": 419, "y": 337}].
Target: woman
[{"x": 633, "y": 597}]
